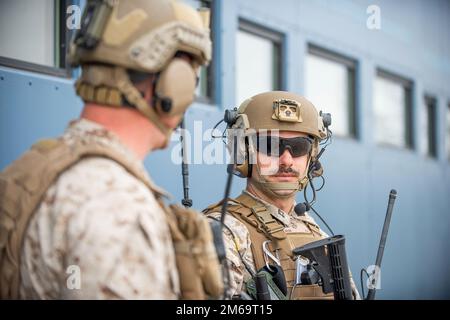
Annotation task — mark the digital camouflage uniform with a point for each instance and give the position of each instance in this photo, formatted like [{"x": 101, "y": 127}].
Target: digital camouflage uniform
[{"x": 99, "y": 217}]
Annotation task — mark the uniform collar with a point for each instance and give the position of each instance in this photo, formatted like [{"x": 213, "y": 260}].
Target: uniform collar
[
  {"x": 280, "y": 215},
  {"x": 274, "y": 211}
]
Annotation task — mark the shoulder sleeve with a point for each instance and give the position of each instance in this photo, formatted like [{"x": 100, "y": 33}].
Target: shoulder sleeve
[
  {"x": 237, "y": 243},
  {"x": 111, "y": 235}
]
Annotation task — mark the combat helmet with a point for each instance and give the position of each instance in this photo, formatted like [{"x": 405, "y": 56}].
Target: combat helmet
[
  {"x": 120, "y": 37},
  {"x": 273, "y": 111}
]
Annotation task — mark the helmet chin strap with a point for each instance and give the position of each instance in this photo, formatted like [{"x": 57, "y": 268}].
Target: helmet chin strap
[{"x": 270, "y": 188}]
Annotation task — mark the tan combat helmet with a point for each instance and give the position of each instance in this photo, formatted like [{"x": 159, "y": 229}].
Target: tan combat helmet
[
  {"x": 142, "y": 36},
  {"x": 274, "y": 110}
]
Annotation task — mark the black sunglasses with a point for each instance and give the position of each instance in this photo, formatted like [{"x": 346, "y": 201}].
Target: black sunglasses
[{"x": 274, "y": 145}]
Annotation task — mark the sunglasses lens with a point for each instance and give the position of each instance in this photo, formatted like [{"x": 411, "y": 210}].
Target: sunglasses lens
[
  {"x": 267, "y": 145},
  {"x": 298, "y": 146},
  {"x": 274, "y": 146}
]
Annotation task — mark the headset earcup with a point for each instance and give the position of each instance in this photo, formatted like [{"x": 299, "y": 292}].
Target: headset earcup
[
  {"x": 317, "y": 169},
  {"x": 315, "y": 149},
  {"x": 240, "y": 155},
  {"x": 243, "y": 169},
  {"x": 175, "y": 88}
]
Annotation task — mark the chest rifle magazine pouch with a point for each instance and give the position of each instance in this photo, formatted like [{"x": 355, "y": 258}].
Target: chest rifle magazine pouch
[{"x": 198, "y": 265}]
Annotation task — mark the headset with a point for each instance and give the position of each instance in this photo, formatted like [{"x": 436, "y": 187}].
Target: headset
[{"x": 173, "y": 86}]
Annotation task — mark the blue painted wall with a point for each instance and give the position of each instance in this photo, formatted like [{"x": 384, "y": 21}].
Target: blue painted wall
[{"x": 414, "y": 41}]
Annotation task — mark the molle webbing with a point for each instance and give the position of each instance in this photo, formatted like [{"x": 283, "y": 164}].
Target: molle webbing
[
  {"x": 261, "y": 227},
  {"x": 100, "y": 95}
]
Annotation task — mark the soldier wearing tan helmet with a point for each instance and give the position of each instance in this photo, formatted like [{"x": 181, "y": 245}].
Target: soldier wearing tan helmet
[
  {"x": 274, "y": 143},
  {"x": 79, "y": 215}
]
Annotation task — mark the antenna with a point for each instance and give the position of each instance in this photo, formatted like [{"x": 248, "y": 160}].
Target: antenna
[
  {"x": 387, "y": 222},
  {"x": 186, "y": 201}
]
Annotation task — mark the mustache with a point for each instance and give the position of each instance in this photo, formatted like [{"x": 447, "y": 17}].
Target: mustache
[{"x": 288, "y": 170}]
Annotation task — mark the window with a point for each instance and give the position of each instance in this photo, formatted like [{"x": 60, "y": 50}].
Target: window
[
  {"x": 448, "y": 132},
  {"x": 258, "y": 61},
  {"x": 205, "y": 87},
  {"x": 392, "y": 110},
  {"x": 34, "y": 36},
  {"x": 330, "y": 86},
  {"x": 202, "y": 90},
  {"x": 428, "y": 127}
]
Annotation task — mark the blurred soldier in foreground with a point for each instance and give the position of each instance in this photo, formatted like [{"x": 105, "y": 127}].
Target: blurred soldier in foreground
[{"x": 80, "y": 217}]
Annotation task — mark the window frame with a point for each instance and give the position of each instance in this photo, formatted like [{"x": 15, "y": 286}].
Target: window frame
[
  {"x": 277, "y": 38},
  {"x": 408, "y": 86},
  {"x": 431, "y": 135},
  {"x": 352, "y": 67},
  {"x": 447, "y": 128},
  {"x": 62, "y": 40},
  {"x": 211, "y": 69}
]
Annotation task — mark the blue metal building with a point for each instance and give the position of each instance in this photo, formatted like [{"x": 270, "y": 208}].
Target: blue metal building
[{"x": 389, "y": 51}]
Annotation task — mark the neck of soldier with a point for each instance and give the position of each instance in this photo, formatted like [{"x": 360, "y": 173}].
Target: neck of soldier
[
  {"x": 284, "y": 203},
  {"x": 133, "y": 129}
]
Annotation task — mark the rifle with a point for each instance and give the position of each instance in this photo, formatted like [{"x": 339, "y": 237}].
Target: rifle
[{"x": 328, "y": 258}]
